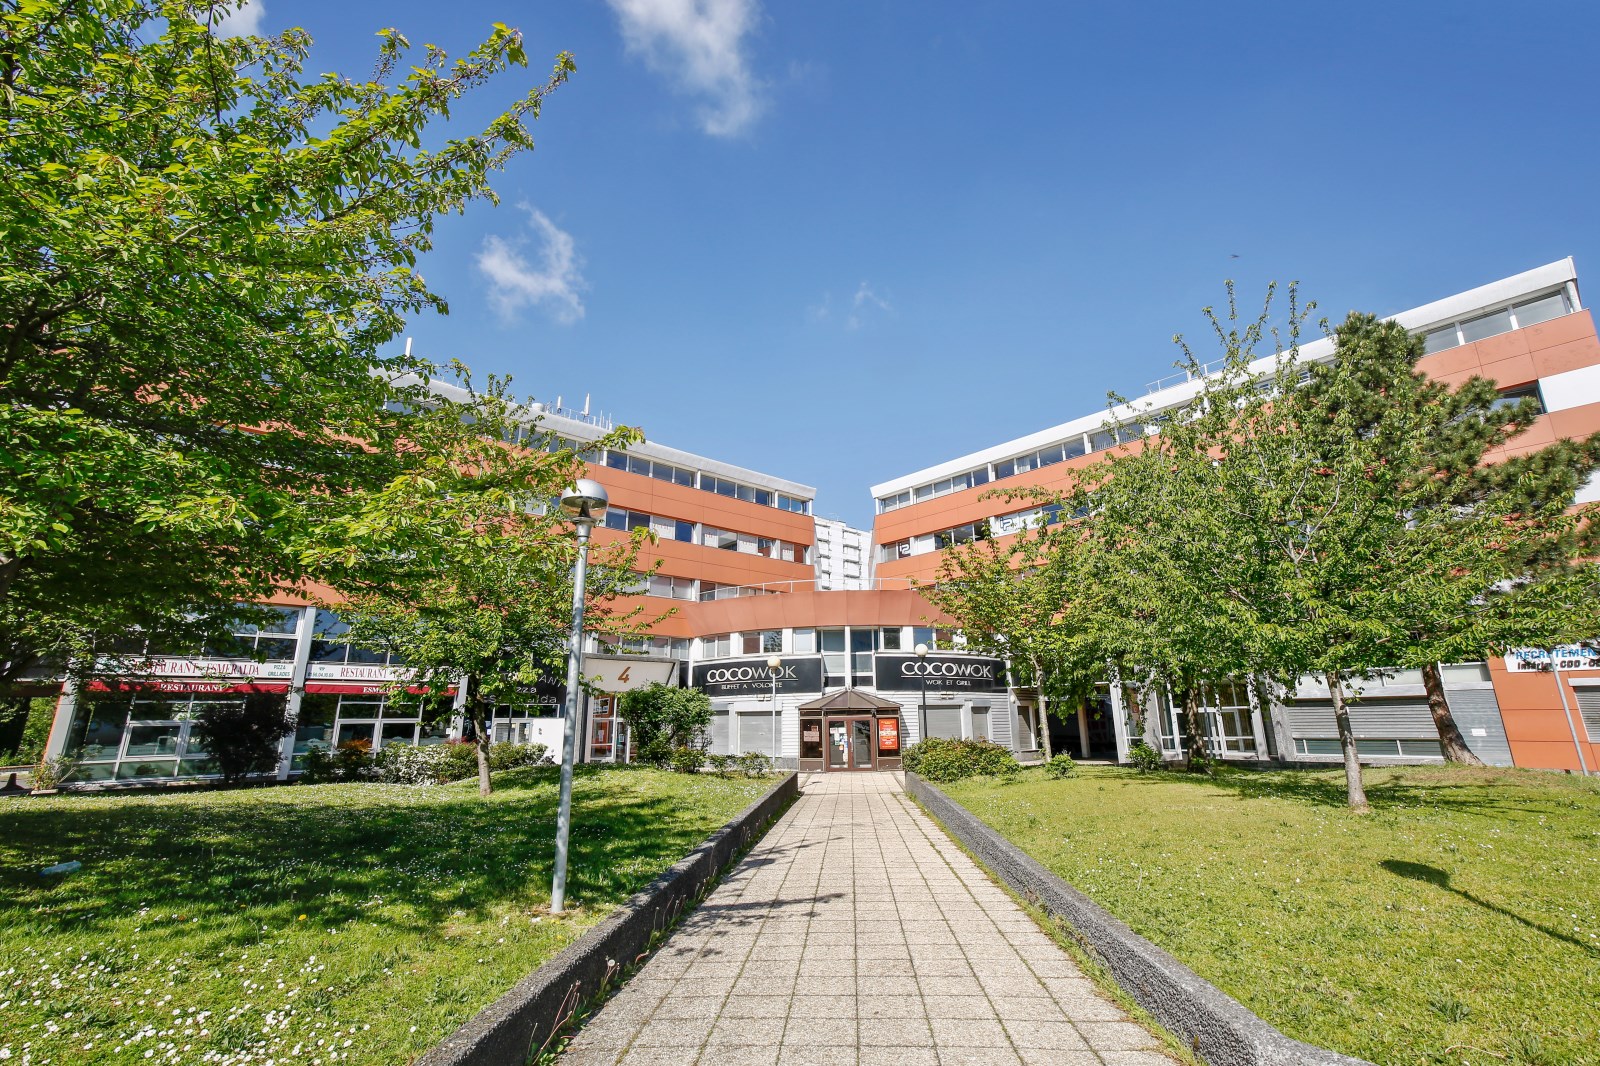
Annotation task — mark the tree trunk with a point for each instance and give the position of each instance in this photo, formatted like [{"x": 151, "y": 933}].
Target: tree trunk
[
  {"x": 1354, "y": 790},
  {"x": 1194, "y": 735},
  {"x": 1450, "y": 738},
  {"x": 1044, "y": 712},
  {"x": 480, "y": 727}
]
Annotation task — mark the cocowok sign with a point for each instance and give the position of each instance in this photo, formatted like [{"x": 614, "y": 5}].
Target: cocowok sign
[
  {"x": 752, "y": 677},
  {"x": 947, "y": 673}
]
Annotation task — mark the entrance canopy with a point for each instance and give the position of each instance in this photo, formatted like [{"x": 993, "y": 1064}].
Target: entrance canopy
[{"x": 850, "y": 701}]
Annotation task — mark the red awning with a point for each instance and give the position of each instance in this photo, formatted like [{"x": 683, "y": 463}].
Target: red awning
[{"x": 190, "y": 684}]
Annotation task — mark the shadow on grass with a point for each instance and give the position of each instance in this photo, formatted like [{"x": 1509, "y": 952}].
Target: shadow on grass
[
  {"x": 1462, "y": 790},
  {"x": 341, "y": 852},
  {"x": 1432, "y": 875}
]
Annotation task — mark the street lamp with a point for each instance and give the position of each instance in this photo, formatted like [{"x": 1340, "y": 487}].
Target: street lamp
[
  {"x": 922, "y": 657},
  {"x": 774, "y": 664},
  {"x": 584, "y": 503}
]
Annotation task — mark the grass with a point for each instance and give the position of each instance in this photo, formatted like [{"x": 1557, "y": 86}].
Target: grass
[
  {"x": 312, "y": 924},
  {"x": 1458, "y": 923}
]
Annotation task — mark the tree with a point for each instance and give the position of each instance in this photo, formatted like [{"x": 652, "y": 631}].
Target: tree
[
  {"x": 242, "y": 736},
  {"x": 1517, "y": 601},
  {"x": 1026, "y": 602},
  {"x": 201, "y": 254},
  {"x": 1320, "y": 526},
  {"x": 463, "y": 569},
  {"x": 663, "y": 718}
]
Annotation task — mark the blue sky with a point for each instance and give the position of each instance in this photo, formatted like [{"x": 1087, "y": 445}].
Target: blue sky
[{"x": 838, "y": 242}]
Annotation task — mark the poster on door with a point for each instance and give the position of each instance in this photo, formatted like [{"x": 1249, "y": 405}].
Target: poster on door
[{"x": 888, "y": 734}]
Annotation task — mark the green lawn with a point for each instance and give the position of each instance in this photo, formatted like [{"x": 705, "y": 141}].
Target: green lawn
[
  {"x": 1457, "y": 923},
  {"x": 335, "y": 923}
]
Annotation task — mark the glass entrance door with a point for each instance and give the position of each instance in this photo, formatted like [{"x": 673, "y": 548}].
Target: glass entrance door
[
  {"x": 851, "y": 744},
  {"x": 861, "y": 743}
]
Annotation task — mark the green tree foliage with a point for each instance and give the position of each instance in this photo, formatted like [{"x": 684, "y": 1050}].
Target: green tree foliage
[
  {"x": 462, "y": 568},
  {"x": 1027, "y": 600},
  {"x": 1301, "y": 532},
  {"x": 242, "y": 736},
  {"x": 1531, "y": 594},
  {"x": 662, "y": 719},
  {"x": 201, "y": 252}
]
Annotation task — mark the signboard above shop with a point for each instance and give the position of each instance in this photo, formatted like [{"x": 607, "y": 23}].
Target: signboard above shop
[
  {"x": 943, "y": 673},
  {"x": 1566, "y": 657},
  {"x": 753, "y": 677},
  {"x": 624, "y": 674}
]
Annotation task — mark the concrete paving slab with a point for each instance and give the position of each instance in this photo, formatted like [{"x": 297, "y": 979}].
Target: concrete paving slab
[{"x": 856, "y": 934}]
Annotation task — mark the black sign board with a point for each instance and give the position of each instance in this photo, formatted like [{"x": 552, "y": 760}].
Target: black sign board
[
  {"x": 544, "y": 692},
  {"x": 944, "y": 673},
  {"x": 753, "y": 677}
]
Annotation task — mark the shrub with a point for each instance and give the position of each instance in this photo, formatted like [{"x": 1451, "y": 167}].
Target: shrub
[
  {"x": 458, "y": 759},
  {"x": 1143, "y": 757},
  {"x": 1060, "y": 766},
  {"x": 350, "y": 761},
  {"x": 51, "y": 772},
  {"x": 664, "y": 719},
  {"x": 722, "y": 765},
  {"x": 243, "y": 737},
  {"x": 938, "y": 759},
  {"x": 688, "y": 760},
  {"x": 755, "y": 764},
  {"x": 505, "y": 756}
]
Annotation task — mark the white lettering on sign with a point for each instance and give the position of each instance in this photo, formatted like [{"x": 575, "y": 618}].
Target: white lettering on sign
[
  {"x": 917, "y": 668},
  {"x": 1566, "y": 657},
  {"x": 723, "y": 675}
]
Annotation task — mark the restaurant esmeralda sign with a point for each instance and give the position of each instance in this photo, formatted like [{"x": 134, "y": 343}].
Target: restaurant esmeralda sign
[
  {"x": 943, "y": 673},
  {"x": 752, "y": 677}
]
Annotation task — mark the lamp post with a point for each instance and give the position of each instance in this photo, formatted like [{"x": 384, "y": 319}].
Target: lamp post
[
  {"x": 584, "y": 503},
  {"x": 774, "y": 664},
  {"x": 1572, "y": 727},
  {"x": 922, "y": 657}
]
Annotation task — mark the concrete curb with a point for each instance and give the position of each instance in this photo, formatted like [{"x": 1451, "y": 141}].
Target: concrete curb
[
  {"x": 1217, "y": 1026},
  {"x": 513, "y": 1027}
]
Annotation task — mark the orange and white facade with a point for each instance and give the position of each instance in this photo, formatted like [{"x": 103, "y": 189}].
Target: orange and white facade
[
  {"x": 802, "y": 630},
  {"x": 1532, "y": 336}
]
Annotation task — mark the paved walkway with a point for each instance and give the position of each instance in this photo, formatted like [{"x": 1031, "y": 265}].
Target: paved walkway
[{"x": 857, "y": 933}]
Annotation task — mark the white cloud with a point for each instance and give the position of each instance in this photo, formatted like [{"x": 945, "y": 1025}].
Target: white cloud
[
  {"x": 700, "y": 45},
  {"x": 553, "y": 284},
  {"x": 864, "y": 302},
  {"x": 243, "y": 21}
]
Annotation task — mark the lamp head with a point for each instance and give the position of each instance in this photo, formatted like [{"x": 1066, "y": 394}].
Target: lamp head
[
  {"x": 585, "y": 501},
  {"x": 921, "y": 650},
  {"x": 774, "y": 663}
]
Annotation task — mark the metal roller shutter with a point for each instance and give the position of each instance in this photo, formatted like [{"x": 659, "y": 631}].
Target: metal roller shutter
[
  {"x": 943, "y": 722},
  {"x": 755, "y": 734},
  {"x": 1589, "y": 707},
  {"x": 980, "y": 723},
  {"x": 1477, "y": 709},
  {"x": 1369, "y": 718},
  {"x": 718, "y": 734}
]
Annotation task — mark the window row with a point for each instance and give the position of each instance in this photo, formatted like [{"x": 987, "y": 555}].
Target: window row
[
  {"x": 1516, "y": 316},
  {"x": 690, "y": 533},
  {"x": 1071, "y": 448},
  {"x": 834, "y": 644},
  {"x": 677, "y": 475},
  {"x": 751, "y": 544}
]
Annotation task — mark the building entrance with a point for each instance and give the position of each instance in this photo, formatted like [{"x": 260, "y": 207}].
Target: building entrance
[
  {"x": 851, "y": 744},
  {"x": 849, "y": 730}
]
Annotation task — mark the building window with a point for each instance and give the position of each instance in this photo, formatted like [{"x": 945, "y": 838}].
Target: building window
[
  {"x": 1511, "y": 397},
  {"x": 717, "y": 647},
  {"x": 805, "y": 641},
  {"x": 1517, "y": 316}
]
